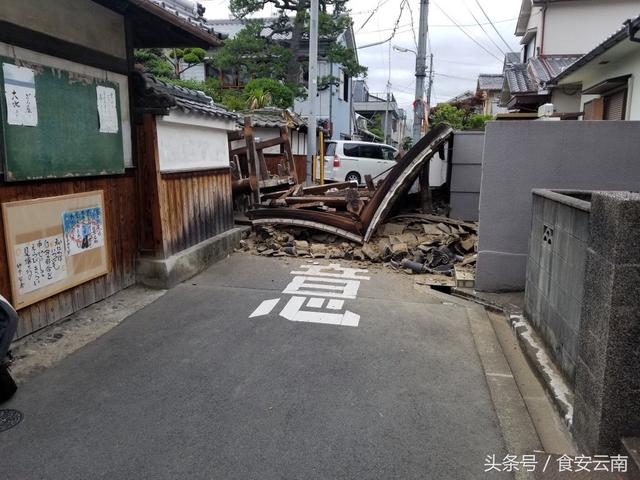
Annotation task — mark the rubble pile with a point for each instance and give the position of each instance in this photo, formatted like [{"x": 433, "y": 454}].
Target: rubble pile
[{"x": 413, "y": 243}]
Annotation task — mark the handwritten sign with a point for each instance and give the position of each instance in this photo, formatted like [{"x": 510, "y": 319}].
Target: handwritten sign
[
  {"x": 83, "y": 230},
  {"x": 107, "y": 109},
  {"x": 40, "y": 263},
  {"x": 20, "y": 95}
]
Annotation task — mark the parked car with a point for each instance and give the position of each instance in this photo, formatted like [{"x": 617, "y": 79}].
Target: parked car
[{"x": 347, "y": 160}]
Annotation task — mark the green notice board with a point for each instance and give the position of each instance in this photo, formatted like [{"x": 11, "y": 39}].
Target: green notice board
[{"x": 57, "y": 123}]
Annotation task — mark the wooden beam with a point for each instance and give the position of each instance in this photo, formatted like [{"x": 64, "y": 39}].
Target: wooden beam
[{"x": 315, "y": 189}]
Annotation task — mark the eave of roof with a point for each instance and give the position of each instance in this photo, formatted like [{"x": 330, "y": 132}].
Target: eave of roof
[
  {"x": 161, "y": 97},
  {"x": 156, "y": 26},
  {"x": 630, "y": 26}
]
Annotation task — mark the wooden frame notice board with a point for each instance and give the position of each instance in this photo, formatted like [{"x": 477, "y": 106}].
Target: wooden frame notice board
[{"x": 54, "y": 244}]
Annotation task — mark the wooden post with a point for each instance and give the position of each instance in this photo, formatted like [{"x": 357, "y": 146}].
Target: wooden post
[{"x": 252, "y": 160}]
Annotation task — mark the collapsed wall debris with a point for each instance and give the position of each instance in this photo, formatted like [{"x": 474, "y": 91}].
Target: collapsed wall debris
[
  {"x": 344, "y": 209},
  {"x": 344, "y": 220}
]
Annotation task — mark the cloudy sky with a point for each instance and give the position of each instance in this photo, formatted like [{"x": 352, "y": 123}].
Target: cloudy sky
[{"x": 457, "y": 59}]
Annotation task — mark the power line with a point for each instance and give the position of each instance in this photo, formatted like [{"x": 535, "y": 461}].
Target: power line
[
  {"x": 395, "y": 28},
  {"x": 380, "y": 3},
  {"x": 413, "y": 28},
  {"x": 494, "y": 27},
  {"x": 465, "y": 32},
  {"x": 485, "y": 32}
]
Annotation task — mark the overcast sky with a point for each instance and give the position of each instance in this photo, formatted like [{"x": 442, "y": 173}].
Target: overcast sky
[{"x": 457, "y": 59}]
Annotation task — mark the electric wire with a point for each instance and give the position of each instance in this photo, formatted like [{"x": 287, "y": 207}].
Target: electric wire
[
  {"x": 494, "y": 27},
  {"x": 467, "y": 34},
  {"x": 485, "y": 32}
]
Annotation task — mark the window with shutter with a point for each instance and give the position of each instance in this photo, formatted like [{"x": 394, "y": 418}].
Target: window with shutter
[
  {"x": 614, "y": 105},
  {"x": 594, "y": 110}
]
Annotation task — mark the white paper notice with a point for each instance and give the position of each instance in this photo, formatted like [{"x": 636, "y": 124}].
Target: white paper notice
[
  {"x": 107, "y": 109},
  {"x": 40, "y": 263},
  {"x": 20, "y": 94}
]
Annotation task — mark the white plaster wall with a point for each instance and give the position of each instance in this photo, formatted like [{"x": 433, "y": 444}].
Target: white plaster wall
[
  {"x": 192, "y": 142},
  {"x": 39, "y": 58},
  {"x": 566, "y": 99},
  {"x": 78, "y": 21},
  {"x": 577, "y": 27}
]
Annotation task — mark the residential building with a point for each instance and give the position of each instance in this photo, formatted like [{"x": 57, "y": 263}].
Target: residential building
[
  {"x": 334, "y": 99},
  {"x": 381, "y": 107},
  {"x": 489, "y": 90},
  {"x": 607, "y": 79},
  {"x": 467, "y": 101},
  {"x": 553, "y": 35}
]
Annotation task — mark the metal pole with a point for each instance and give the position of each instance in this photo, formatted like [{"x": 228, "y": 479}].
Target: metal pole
[
  {"x": 322, "y": 158},
  {"x": 430, "y": 84},
  {"x": 313, "y": 87},
  {"x": 421, "y": 60}
]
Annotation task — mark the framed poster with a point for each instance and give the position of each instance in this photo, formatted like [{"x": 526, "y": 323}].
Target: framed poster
[{"x": 54, "y": 244}]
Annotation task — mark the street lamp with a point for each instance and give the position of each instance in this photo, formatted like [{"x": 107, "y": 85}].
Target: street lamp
[{"x": 403, "y": 50}]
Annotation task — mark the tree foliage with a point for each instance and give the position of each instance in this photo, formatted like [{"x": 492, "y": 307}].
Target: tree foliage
[
  {"x": 458, "y": 118},
  {"x": 282, "y": 53},
  {"x": 282, "y": 96},
  {"x": 169, "y": 63}
]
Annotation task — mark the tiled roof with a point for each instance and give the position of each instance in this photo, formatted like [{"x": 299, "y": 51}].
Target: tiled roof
[
  {"x": 613, "y": 39},
  {"x": 490, "y": 81},
  {"x": 518, "y": 79},
  {"x": 185, "y": 99},
  {"x": 272, "y": 117},
  {"x": 193, "y": 15},
  {"x": 531, "y": 77},
  {"x": 544, "y": 68}
]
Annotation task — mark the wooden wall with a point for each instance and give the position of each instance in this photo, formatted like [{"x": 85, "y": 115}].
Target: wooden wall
[
  {"x": 194, "y": 206},
  {"x": 272, "y": 160},
  {"x": 121, "y": 214}
]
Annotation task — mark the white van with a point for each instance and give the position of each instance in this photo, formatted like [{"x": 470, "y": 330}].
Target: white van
[{"x": 347, "y": 160}]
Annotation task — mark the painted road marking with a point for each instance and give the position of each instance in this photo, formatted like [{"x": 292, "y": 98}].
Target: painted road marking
[{"x": 310, "y": 285}]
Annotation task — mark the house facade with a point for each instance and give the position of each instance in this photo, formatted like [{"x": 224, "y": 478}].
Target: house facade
[
  {"x": 607, "y": 78},
  {"x": 369, "y": 106},
  {"x": 489, "y": 89},
  {"x": 553, "y": 35}
]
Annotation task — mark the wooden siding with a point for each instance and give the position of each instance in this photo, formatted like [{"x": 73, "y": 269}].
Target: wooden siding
[
  {"x": 122, "y": 219},
  {"x": 194, "y": 206}
]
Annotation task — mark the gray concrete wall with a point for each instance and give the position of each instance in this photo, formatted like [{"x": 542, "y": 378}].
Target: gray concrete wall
[
  {"x": 522, "y": 155},
  {"x": 466, "y": 173},
  {"x": 607, "y": 384},
  {"x": 555, "y": 272}
]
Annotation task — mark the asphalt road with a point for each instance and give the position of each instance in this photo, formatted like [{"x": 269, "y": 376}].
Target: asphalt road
[{"x": 190, "y": 387}]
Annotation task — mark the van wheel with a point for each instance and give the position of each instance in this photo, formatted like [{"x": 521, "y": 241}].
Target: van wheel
[{"x": 353, "y": 176}]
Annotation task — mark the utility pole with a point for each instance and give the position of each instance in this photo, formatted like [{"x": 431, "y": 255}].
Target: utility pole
[
  {"x": 312, "y": 123},
  {"x": 421, "y": 60},
  {"x": 430, "y": 84}
]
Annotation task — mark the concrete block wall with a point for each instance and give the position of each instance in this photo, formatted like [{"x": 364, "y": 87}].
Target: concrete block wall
[
  {"x": 466, "y": 173},
  {"x": 555, "y": 271},
  {"x": 522, "y": 155},
  {"x": 607, "y": 382}
]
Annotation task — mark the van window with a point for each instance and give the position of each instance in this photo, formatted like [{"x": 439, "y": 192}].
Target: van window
[
  {"x": 388, "y": 153},
  {"x": 331, "y": 149},
  {"x": 371, "y": 151},
  {"x": 351, "y": 149}
]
